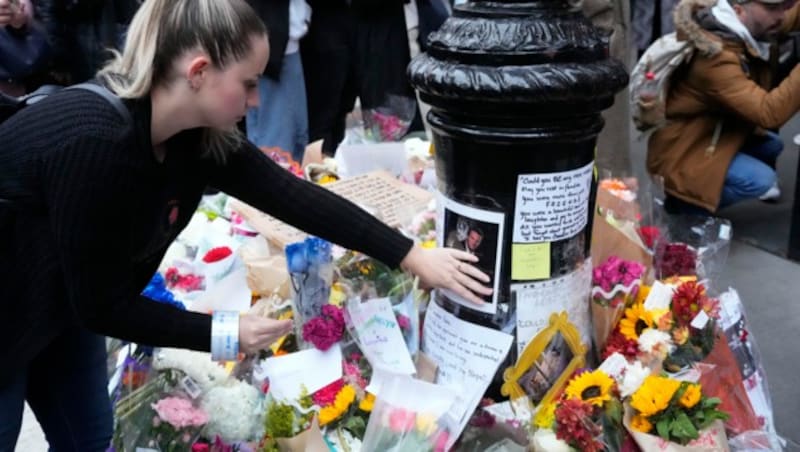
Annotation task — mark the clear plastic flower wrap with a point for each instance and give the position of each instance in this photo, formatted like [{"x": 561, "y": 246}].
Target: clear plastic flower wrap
[
  {"x": 311, "y": 272},
  {"x": 410, "y": 415},
  {"x": 390, "y": 121}
]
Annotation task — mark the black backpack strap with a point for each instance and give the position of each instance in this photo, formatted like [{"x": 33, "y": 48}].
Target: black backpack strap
[{"x": 106, "y": 94}]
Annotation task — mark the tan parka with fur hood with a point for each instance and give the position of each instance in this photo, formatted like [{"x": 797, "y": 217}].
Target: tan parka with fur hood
[{"x": 715, "y": 102}]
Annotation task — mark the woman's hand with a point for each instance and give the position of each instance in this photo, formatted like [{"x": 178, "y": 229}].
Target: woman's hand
[
  {"x": 448, "y": 268},
  {"x": 12, "y": 13},
  {"x": 258, "y": 333}
]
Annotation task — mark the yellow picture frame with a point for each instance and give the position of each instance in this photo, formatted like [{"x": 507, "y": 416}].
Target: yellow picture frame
[{"x": 559, "y": 324}]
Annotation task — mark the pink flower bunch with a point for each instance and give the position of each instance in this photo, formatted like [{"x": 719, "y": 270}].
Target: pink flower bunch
[
  {"x": 327, "y": 395},
  {"x": 179, "y": 413},
  {"x": 401, "y": 421},
  {"x": 325, "y": 330},
  {"x": 386, "y": 127},
  {"x": 616, "y": 271},
  {"x": 188, "y": 283},
  {"x": 352, "y": 372},
  {"x": 403, "y": 322}
]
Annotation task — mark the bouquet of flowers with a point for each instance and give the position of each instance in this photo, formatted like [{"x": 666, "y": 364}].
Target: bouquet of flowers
[
  {"x": 369, "y": 278},
  {"x": 311, "y": 273},
  {"x": 390, "y": 121},
  {"x": 410, "y": 416},
  {"x": 287, "y": 424},
  {"x": 587, "y": 416},
  {"x": 674, "y": 332},
  {"x": 615, "y": 285},
  {"x": 664, "y": 413}
]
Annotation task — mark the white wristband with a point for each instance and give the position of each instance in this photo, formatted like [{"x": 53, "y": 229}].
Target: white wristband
[{"x": 224, "y": 335}]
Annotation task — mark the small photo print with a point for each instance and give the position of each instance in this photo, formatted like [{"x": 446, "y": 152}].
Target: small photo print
[
  {"x": 480, "y": 233},
  {"x": 545, "y": 371}
]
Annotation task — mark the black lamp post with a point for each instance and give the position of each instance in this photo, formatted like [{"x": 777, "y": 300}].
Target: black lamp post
[{"x": 516, "y": 89}]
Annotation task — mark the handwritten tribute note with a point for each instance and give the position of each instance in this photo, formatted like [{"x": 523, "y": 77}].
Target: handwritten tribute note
[
  {"x": 537, "y": 300},
  {"x": 393, "y": 201},
  {"x": 379, "y": 336},
  {"x": 467, "y": 355},
  {"x": 552, "y": 206}
]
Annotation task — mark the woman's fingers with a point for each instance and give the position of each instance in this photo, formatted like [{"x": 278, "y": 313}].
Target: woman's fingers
[{"x": 472, "y": 271}]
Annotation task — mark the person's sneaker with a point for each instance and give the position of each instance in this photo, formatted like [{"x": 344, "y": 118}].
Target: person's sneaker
[{"x": 772, "y": 195}]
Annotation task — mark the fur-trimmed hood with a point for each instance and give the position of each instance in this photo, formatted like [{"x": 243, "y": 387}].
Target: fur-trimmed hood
[{"x": 687, "y": 27}]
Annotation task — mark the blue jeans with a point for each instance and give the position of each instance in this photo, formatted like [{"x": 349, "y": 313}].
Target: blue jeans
[
  {"x": 751, "y": 172},
  {"x": 281, "y": 118},
  {"x": 66, "y": 386}
]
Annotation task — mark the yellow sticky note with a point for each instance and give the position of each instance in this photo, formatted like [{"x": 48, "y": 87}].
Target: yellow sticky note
[{"x": 530, "y": 261}]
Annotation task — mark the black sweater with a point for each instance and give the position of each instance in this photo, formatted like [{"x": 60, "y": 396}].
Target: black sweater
[{"x": 94, "y": 212}]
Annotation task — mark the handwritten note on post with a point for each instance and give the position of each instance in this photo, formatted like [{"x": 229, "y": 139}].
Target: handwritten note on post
[
  {"x": 537, "y": 300},
  {"x": 552, "y": 206},
  {"x": 379, "y": 336},
  {"x": 467, "y": 355}
]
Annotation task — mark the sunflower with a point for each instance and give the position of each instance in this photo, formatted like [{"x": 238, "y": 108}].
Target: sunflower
[
  {"x": 654, "y": 395},
  {"x": 344, "y": 398},
  {"x": 637, "y": 319},
  {"x": 367, "y": 403},
  {"x": 591, "y": 387},
  {"x": 329, "y": 414},
  {"x": 641, "y": 424},
  {"x": 691, "y": 396}
]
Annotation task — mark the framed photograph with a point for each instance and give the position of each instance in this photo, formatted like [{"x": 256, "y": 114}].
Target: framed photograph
[
  {"x": 478, "y": 232},
  {"x": 547, "y": 362}
]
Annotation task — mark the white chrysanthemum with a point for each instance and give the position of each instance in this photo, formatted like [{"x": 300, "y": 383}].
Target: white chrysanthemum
[
  {"x": 655, "y": 342},
  {"x": 197, "y": 365},
  {"x": 235, "y": 412},
  {"x": 545, "y": 440},
  {"x": 632, "y": 378}
]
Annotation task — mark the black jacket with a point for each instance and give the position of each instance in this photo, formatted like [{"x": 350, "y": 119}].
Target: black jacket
[{"x": 275, "y": 15}]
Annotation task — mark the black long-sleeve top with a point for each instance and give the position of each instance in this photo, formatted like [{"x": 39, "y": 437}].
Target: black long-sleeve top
[{"x": 92, "y": 214}]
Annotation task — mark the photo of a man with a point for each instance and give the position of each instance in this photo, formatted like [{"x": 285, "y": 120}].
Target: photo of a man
[{"x": 478, "y": 232}]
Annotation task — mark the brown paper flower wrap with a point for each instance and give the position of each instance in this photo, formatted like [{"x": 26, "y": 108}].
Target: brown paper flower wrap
[
  {"x": 712, "y": 439},
  {"x": 666, "y": 414}
]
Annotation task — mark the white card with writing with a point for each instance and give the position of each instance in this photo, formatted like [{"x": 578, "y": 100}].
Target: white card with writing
[
  {"x": 660, "y": 296},
  {"x": 536, "y": 301},
  {"x": 467, "y": 355},
  {"x": 552, "y": 206},
  {"x": 375, "y": 327}
]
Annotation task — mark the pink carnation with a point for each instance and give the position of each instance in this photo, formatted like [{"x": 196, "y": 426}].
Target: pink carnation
[
  {"x": 401, "y": 421},
  {"x": 327, "y": 395},
  {"x": 180, "y": 413},
  {"x": 325, "y": 330},
  {"x": 403, "y": 322}
]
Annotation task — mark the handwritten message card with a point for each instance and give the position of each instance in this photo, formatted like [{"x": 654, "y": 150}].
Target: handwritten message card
[
  {"x": 536, "y": 301},
  {"x": 467, "y": 355},
  {"x": 552, "y": 206},
  {"x": 379, "y": 336}
]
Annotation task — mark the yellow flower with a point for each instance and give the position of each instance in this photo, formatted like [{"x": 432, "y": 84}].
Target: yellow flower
[
  {"x": 329, "y": 414},
  {"x": 545, "y": 416},
  {"x": 637, "y": 319},
  {"x": 367, "y": 403},
  {"x": 338, "y": 295},
  {"x": 641, "y": 296},
  {"x": 344, "y": 398},
  {"x": 327, "y": 179},
  {"x": 641, "y": 424},
  {"x": 654, "y": 395},
  {"x": 592, "y": 387},
  {"x": 426, "y": 424},
  {"x": 428, "y": 244},
  {"x": 691, "y": 395},
  {"x": 680, "y": 335}
]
